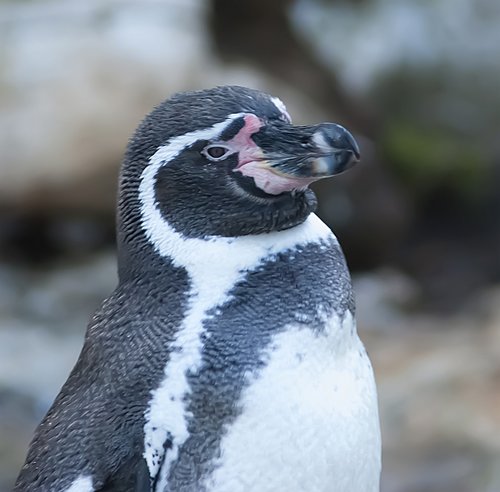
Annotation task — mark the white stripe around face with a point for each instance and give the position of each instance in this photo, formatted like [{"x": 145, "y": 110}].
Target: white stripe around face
[
  {"x": 214, "y": 266},
  {"x": 81, "y": 484}
]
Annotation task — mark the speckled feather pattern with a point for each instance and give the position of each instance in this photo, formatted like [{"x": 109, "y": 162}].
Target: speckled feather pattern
[
  {"x": 182, "y": 408},
  {"x": 299, "y": 297},
  {"x": 227, "y": 358}
]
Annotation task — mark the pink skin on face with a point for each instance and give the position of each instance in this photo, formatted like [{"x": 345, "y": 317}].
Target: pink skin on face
[{"x": 253, "y": 164}]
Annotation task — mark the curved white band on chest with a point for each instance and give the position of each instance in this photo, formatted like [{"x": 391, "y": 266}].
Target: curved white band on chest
[{"x": 214, "y": 265}]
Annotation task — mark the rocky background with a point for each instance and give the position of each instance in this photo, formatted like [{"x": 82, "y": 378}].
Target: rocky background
[{"x": 419, "y": 219}]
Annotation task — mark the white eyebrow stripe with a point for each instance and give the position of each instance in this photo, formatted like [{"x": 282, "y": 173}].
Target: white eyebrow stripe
[
  {"x": 176, "y": 145},
  {"x": 281, "y": 108}
]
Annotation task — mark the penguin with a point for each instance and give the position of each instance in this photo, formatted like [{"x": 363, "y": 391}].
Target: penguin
[{"x": 227, "y": 359}]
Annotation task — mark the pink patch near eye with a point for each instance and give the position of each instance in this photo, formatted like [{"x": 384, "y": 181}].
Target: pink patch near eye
[
  {"x": 250, "y": 159},
  {"x": 242, "y": 142},
  {"x": 273, "y": 183},
  {"x": 252, "y": 123}
]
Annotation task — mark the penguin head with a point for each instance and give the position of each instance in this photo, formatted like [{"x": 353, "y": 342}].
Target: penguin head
[{"x": 228, "y": 162}]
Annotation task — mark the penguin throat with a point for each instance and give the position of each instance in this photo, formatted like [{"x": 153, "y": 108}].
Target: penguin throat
[{"x": 226, "y": 212}]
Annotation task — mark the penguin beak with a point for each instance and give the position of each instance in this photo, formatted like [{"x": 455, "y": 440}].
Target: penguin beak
[{"x": 295, "y": 156}]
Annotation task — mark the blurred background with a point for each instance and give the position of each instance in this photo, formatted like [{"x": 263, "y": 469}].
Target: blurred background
[{"x": 418, "y": 84}]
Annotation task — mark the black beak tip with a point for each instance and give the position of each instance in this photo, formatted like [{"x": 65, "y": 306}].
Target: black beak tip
[
  {"x": 341, "y": 139},
  {"x": 354, "y": 147},
  {"x": 344, "y": 147},
  {"x": 345, "y": 160}
]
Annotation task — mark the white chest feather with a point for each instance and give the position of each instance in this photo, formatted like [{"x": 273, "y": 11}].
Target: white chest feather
[{"x": 309, "y": 420}]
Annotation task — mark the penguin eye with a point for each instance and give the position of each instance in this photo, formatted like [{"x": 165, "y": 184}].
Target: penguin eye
[{"x": 216, "y": 152}]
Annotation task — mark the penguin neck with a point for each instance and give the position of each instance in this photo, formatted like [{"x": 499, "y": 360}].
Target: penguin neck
[
  {"x": 240, "y": 250},
  {"x": 221, "y": 259}
]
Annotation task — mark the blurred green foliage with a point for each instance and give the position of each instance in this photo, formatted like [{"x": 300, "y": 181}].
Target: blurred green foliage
[{"x": 427, "y": 159}]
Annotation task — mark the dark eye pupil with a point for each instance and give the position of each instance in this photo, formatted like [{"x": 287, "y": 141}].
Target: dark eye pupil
[{"x": 216, "y": 152}]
